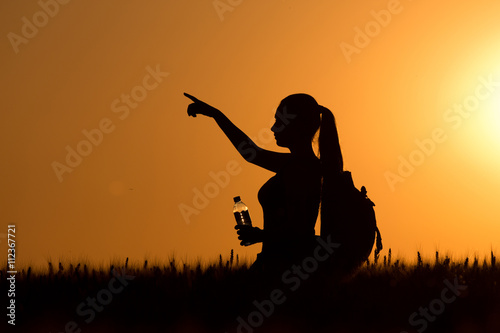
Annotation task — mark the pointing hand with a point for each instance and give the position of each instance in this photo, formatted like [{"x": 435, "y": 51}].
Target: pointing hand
[{"x": 200, "y": 107}]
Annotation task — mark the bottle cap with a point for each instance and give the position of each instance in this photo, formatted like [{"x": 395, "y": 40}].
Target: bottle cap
[{"x": 236, "y": 199}]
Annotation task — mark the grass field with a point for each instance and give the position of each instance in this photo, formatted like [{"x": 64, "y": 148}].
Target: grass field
[{"x": 440, "y": 295}]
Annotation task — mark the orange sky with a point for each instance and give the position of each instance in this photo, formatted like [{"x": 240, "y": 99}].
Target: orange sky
[{"x": 393, "y": 73}]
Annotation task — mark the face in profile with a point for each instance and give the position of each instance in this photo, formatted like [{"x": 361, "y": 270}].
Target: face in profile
[
  {"x": 286, "y": 130},
  {"x": 297, "y": 120}
]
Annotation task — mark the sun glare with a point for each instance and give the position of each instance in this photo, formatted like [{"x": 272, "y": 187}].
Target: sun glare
[{"x": 490, "y": 118}]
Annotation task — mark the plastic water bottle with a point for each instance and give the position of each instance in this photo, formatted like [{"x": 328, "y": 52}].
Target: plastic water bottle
[
  {"x": 240, "y": 211},
  {"x": 241, "y": 214}
]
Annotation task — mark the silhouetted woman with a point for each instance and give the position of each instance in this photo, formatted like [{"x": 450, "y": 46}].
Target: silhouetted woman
[{"x": 290, "y": 199}]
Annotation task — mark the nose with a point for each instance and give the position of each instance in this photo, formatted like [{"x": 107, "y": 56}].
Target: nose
[{"x": 274, "y": 128}]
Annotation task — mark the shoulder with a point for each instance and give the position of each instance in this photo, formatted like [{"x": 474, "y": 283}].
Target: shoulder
[
  {"x": 303, "y": 168},
  {"x": 311, "y": 163}
]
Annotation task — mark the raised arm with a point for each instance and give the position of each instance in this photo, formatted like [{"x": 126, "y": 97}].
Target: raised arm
[{"x": 252, "y": 153}]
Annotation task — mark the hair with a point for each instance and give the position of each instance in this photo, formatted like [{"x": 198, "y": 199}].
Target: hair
[
  {"x": 312, "y": 117},
  {"x": 329, "y": 144}
]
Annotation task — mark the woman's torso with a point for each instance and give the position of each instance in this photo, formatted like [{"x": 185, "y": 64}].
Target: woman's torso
[{"x": 290, "y": 203}]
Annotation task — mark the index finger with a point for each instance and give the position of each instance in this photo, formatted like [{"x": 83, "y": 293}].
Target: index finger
[
  {"x": 239, "y": 226},
  {"x": 191, "y": 97}
]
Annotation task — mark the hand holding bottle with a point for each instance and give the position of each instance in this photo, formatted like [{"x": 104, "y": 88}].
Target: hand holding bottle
[{"x": 249, "y": 235}]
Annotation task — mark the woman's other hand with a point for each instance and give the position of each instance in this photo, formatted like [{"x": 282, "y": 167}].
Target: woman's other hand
[{"x": 248, "y": 234}]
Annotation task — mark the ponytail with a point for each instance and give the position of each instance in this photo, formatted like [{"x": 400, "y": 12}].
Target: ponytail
[{"x": 329, "y": 146}]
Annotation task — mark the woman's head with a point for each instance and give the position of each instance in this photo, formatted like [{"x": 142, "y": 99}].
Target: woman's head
[{"x": 298, "y": 118}]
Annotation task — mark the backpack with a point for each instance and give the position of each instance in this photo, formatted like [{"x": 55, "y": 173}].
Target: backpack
[{"x": 348, "y": 217}]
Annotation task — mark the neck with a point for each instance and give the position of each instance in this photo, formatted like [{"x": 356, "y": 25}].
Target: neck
[{"x": 303, "y": 149}]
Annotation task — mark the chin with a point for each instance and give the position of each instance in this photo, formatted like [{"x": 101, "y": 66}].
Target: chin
[{"x": 281, "y": 144}]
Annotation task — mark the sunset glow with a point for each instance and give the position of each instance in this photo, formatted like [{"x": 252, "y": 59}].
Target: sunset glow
[{"x": 101, "y": 161}]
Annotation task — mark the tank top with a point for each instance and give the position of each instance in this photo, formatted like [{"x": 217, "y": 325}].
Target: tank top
[{"x": 282, "y": 241}]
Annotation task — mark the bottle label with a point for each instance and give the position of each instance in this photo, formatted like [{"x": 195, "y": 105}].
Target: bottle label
[{"x": 243, "y": 218}]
